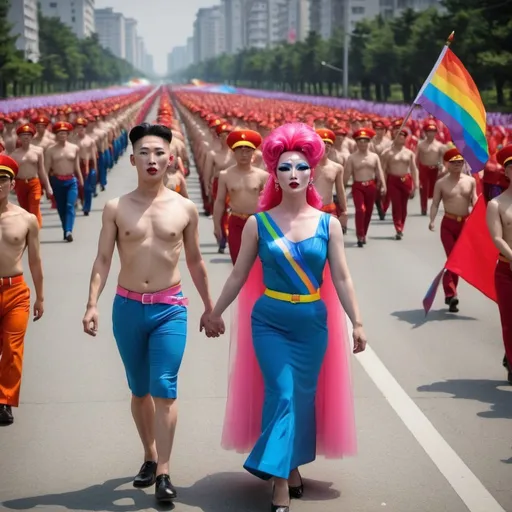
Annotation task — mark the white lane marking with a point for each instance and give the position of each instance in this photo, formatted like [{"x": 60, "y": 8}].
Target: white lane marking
[{"x": 464, "y": 482}]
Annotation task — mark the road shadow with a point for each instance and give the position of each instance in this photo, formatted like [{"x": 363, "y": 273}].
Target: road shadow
[
  {"x": 221, "y": 492},
  {"x": 481, "y": 390},
  {"x": 44, "y": 242},
  {"x": 219, "y": 260},
  {"x": 417, "y": 317},
  {"x": 383, "y": 237}
]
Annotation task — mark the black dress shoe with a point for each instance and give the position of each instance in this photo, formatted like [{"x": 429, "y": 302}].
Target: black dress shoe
[
  {"x": 146, "y": 476},
  {"x": 297, "y": 491},
  {"x": 279, "y": 508},
  {"x": 164, "y": 490},
  {"x": 6, "y": 417},
  {"x": 452, "y": 307}
]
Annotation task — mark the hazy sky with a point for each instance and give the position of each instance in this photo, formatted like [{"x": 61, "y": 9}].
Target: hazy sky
[{"x": 162, "y": 23}]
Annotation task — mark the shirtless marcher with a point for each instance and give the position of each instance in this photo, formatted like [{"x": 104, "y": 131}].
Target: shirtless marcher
[
  {"x": 175, "y": 178},
  {"x": 43, "y": 138},
  {"x": 9, "y": 135},
  {"x": 63, "y": 159},
  {"x": 150, "y": 226},
  {"x": 429, "y": 158},
  {"x": 18, "y": 231},
  {"x": 243, "y": 183},
  {"x": 88, "y": 156},
  {"x": 217, "y": 161},
  {"x": 380, "y": 142},
  {"x": 402, "y": 180},
  {"x": 457, "y": 191},
  {"x": 329, "y": 175},
  {"x": 366, "y": 169},
  {"x": 499, "y": 221},
  {"x": 32, "y": 177}
]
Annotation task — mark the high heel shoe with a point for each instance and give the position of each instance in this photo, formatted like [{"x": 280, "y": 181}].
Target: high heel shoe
[
  {"x": 297, "y": 491},
  {"x": 278, "y": 508}
]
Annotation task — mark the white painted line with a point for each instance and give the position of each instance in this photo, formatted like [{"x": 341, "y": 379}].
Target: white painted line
[{"x": 464, "y": 482}]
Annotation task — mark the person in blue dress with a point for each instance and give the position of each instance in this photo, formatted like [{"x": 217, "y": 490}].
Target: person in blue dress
[{"x": 307, "y": 404}]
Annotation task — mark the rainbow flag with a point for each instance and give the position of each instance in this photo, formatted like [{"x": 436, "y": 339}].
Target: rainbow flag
[{"x": 450, "y": 94}]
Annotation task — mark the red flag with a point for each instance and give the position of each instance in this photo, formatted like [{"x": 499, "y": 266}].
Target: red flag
[{"x": 474, "y": 256}]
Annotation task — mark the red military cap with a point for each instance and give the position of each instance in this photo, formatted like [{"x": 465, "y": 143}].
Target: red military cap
[
  {"x": 453, "y": 155},
  {"x": 214, "y": 122},
  {"x": 342, "y": 131},
  {"x": 81, "y": 121},
  {"x": 378, "y": 124},
  {"x": 41, "y": 119},
  {"x": 404, "y": 132},
  {"x": 8, "y": 166},
  {"x": 326, "y": 135},
  {"x": 248, "y": 138},
  {"x": 504, "y": 156},
  {"x": 62, "y": 126},
  {"x": 26, "y": 128},
  {"x": 364, "y": 133},
  {"x": 222, "y": 128},
  {"x": 430, "y": 125}
]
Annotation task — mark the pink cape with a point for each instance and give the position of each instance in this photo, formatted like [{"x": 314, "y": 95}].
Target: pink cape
[{"x": 336, "y": 433}]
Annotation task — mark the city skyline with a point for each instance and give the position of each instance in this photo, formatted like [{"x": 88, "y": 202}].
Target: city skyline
[{"x": 161, "y": 27}]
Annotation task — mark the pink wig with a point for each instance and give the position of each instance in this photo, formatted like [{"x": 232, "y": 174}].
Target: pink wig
[{"x": 290, "y": 137}]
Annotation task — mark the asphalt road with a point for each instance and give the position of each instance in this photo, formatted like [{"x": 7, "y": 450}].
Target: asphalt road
[{"x": 433, "y": 409}]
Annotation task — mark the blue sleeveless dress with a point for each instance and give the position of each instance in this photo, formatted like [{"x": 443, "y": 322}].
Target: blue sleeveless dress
[{"x": 290, "y": 341}]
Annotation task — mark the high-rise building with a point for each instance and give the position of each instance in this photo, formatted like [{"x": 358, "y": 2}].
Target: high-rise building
[
  {"x": 130, "y": 32},
  {"x": 177, "y": 60},
  {"x": 234, "y": 24},
  {"x": 141, "y": 53},
  {"x": 22, "y": 15},
  {"x": 209, "y": 33},
  {"x": 190, "y": 51},
  {"x": 76, "y": 14},
  {"x": 257, "y": 31},
  {"x": 391, "y": 8},
  {"x": 110, "y": 27}
]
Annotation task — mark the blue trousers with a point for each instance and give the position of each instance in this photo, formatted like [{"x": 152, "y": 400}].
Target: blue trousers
[
  {"x": 66, "y": 194},
  {"x": 102, "y": 168},
  {"x": 151, "y": 339},
  {"x": 89, "y": 189}
]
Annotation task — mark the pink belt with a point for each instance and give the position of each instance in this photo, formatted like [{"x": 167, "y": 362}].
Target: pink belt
[{"x": 168, "y": 296}]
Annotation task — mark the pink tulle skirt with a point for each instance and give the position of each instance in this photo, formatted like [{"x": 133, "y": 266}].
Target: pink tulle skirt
[{"x": 335, "y": 422}]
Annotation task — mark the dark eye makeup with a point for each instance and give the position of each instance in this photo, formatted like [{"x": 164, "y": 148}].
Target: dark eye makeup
[{"x": 288, "y": 167}]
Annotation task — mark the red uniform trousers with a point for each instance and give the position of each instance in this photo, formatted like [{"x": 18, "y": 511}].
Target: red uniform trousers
[
  {"x": 363, "y": 194},
  {"x": 503, "y": 284},
  {"x": 451, "y": 228},
  {"x": 399, "y": 191},
  {"x": 84, "y": 175},
  {"x": 236, "y": 225},
  {"x": 14, "y": 316},
  {"x": 428, "y": 177},
  {"x": 225, "y": 215},
  {"x": 29, "y": 196}
]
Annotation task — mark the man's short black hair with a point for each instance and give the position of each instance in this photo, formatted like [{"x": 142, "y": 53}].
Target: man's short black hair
[{"x": 145, "y": 129}]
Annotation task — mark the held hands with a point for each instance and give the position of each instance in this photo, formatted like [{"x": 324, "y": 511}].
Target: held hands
[
  {"x": 90, "y": 321},
  {"x": 213, "y": 325},
  {"x": 359, "y": 338}
]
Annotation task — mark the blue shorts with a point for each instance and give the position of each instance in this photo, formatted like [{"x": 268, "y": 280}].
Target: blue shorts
[{"x": 151, "y": 339}]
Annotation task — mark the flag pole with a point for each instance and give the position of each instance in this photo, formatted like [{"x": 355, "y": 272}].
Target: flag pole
[{"x": 427, "y": 81}]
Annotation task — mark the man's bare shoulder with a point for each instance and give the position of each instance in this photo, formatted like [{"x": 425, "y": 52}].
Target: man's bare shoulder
[
  {"x": 25, "y": 217},
  {"x": 261, "y": 172},
  {"x": 38, "y": 149}
]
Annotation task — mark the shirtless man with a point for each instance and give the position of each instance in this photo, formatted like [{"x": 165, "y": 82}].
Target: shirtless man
[
  {"x": 18, "y": 231},
  {"x": 402, "y": 180},
  {"x": 366, "y": 169},
  {"x": 175, "y": 179},
  {"x": 243, "y": 183},
  {"x": 101, "y": 137},
  {"x": 499, "y": 221},
  {"x": 31, "y": 176},
  {"x": 150, "y": 226},
  {"x": 429, "y": 158},
  {"x": 43, "y": 138},
  {"x": 329, "y": 175},
  {"x": 63, "y": 159},
  {"x": 217, "y": 161},
  {"x": 9, "y": 135},
  {"x": 179, "y": 149},
  {"x": 457, "y": 191},
  {"x": 88, "y": 157},
  {"x": 380, "y": 142}
]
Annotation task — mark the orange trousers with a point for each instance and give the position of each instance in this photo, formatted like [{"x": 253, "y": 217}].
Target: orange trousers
[
  {"x": 29, "y": 196},
  {"x": 14, "y": 316}
]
